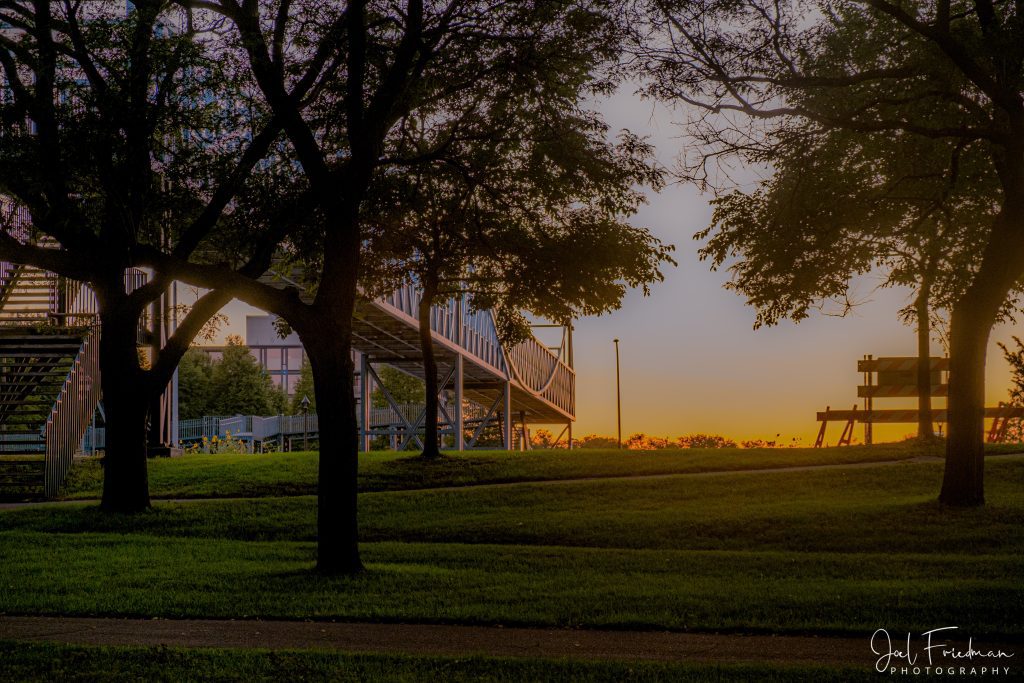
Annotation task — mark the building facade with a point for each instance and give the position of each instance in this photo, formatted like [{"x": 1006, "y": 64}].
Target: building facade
[{"x": 281, "y": 358}]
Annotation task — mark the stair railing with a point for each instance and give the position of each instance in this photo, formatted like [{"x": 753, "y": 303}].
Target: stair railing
[{"x": 72, "y": 413}]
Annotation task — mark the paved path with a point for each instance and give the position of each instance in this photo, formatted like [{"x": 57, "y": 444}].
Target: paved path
[{"x": 420, "y": 639}]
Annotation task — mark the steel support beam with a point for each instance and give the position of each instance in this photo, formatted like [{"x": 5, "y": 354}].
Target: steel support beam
[
  {"x": 506, "y": 431},
  {"x": 411, "y": 435},
  {"x": 365, "y": 396},
  {"x": 460, "y": 428}
]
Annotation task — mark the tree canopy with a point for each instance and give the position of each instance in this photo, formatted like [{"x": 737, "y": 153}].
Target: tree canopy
[
  {"x": 341, "y": 79},
  {"x": 758, "y": 77},
  {"x": 234, "y": 384},
  {"x": 525, "y": 209},
  {"x": 125, "y": 131},
  {"x": 240, "y": 386}
]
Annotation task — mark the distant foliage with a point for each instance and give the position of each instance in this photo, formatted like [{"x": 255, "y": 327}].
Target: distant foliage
[
  {"x": 303, "y": 388},
  {"x": 645, "y": 442},
  {"x": 403, "y": 388},
  {"x": 705, "y": 441},
  {"x": 194, "y": 393},
  {"x": 234, "y": 385},
  {"x": 543, "y": 438},
  {"x": 1015, "y": 430},
  {"x": 594, "y": 441},
  {"x": 759, "y": 443}
]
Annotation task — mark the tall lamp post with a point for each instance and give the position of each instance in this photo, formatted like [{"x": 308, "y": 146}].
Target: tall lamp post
[
  {"x": 305, "y": 420},
  {"x": 618, "y": 395}
]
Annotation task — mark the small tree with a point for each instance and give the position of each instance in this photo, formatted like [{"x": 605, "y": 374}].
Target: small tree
[
  {"x": 1015, "y": 358},
  {"x": 240, "y": 386},
  {"x": 754, "y": 71},
  {"x": 303, "y": 389},
  {"x": 194, "y": 389}
]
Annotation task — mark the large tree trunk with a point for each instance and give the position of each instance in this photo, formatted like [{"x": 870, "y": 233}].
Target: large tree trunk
[
  {"x": 330, "y": 359},
  {"x": 962, "y": 482},
  {"x": 924, "y": 371},
  {"x": 970, "y": 325},
  {"x": 126, "y": 405},
  {"x": 431, "y": 449},
  {"x": 326, "y": 331}
]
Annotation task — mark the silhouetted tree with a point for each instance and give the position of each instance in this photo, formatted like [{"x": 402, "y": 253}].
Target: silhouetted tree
[
  {"x": 121, "y": 134},
  {"x": 840, "y": 204},
  {"x": 754, "y": 72},
  {"x": 341, "y": 77},
  {"x": 523, "y": 208}
]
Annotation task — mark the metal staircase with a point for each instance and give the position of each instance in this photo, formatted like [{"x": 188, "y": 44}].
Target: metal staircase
[{"x": 49, "y": 379}]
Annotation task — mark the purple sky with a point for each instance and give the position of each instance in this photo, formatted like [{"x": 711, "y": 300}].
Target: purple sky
[{"x": 691, "y": 361}]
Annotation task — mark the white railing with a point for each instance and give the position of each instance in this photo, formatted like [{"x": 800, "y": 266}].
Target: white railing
[
  {"x": 530, "y": 364},
  {"x": 476, "y": 333},
  {"x": 196, "y": 429},
  {"x": 71, "y": 413},
  {"x": 543, "y": 374},
  {"x": 264, "y": 428}
]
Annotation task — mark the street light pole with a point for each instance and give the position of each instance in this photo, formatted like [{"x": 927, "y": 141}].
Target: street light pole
[
  {"x": 618, "y": 395},
  {"x": 305, "y": 420}
]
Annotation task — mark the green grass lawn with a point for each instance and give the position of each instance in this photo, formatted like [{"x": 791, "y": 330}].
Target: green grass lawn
[
  {"x": 841, "y": 550},
  {"x": 47, "y": 663},
  {"x": 283, "y": 474}
]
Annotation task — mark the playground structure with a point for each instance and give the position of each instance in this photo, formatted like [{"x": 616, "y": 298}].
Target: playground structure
[
  {"x": 896, "y": 377},
  {"x": 50, "y": 384}
]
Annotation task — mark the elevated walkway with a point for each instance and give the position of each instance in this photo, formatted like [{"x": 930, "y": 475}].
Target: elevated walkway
[
  {"x": 483, "y": 385},
  {"x": 49, "y": 376}
]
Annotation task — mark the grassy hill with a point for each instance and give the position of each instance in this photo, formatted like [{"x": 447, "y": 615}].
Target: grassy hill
[{"x": 838, "y": 550}]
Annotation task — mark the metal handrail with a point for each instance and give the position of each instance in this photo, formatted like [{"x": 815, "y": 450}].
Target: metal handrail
[
  {"x": 531, "y": 364},
  {"x": 72, "y": 413},
  {"x": 542, "y": 373},
  {"x": 261, "y": 428}
]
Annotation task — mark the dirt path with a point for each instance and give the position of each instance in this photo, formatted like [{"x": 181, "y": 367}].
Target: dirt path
[{"x": 421, "y": 639}]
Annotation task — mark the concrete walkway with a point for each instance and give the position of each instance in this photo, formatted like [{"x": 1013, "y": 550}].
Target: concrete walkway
[{"x": 423, "y": 639}]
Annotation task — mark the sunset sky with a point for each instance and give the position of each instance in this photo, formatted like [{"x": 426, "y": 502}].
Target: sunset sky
[{"x": 691, "y": 360}]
